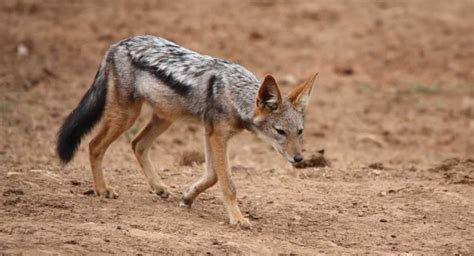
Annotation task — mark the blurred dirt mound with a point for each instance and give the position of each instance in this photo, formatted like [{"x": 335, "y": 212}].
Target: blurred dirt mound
[
  {"x": 376, "y": 166},
  {"x": 190, "y": 157},
  {"x": 456, "y": 171},
  {"x": 316, "y": 160}
]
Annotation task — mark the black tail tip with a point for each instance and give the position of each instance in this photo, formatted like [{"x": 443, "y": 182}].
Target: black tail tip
[
  {"x": 65, "y": 153},
  {"x": 66, "y": 146}
]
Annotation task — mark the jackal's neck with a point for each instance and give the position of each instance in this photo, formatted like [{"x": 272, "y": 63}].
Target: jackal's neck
[{"x": 244, "y": 101}]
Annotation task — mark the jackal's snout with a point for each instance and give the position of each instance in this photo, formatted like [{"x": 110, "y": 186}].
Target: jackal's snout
[
  {"x": 298, "y": 158},
  {"x": 292, "y": 150}
]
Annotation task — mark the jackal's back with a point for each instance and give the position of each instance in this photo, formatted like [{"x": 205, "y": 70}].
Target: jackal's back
[{"x": 202, "y": 84}]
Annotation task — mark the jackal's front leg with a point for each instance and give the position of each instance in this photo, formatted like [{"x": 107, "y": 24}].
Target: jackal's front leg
[
  {"x": 217, "y": 141},
  {"x": 208, "y": 179}
]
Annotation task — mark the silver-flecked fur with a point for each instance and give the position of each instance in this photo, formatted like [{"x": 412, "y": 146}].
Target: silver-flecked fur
[{"x": 167, "y": 75}]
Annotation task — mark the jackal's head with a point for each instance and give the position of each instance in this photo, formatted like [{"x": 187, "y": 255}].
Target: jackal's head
[{"x": 279, "y": 120}]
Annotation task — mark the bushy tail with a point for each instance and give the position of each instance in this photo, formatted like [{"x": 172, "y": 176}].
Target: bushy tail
[{"x": 83, "y": 118}]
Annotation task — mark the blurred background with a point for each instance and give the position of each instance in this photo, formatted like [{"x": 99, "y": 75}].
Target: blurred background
[{"x": 395, "y": 88}]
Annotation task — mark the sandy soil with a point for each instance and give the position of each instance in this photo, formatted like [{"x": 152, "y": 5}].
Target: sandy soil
[{"x": 393, "y": 109}]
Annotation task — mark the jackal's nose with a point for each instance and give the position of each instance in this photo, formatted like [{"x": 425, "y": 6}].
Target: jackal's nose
[{"x": 298, "y": 158}]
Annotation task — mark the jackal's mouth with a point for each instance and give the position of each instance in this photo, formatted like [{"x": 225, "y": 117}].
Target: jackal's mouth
[
  {"x": 290, "y": 160},
  {"x": 285, "y": 155}
]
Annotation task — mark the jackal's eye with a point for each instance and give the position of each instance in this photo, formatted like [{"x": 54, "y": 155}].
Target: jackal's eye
[
  {"x": 300, "y": 131},
  {"x": 280, "y": 131}
]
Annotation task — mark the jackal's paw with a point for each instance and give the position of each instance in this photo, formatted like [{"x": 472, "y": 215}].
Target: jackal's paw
[
  {"x": 185, "y": 203},
  {"x": 242, "y": 222},
  {"x": 107, "y": 193},
  {"x": 162, "y": 192}
]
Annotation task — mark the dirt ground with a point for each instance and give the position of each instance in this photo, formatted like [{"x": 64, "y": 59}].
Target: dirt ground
[{"x": 393, "y": 109}]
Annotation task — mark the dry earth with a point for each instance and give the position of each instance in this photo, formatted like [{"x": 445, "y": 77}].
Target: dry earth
[{"x": 393, "y": 109}]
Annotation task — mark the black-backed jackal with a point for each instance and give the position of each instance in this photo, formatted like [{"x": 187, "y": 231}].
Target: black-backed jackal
[{"x": 176, "y": 83}]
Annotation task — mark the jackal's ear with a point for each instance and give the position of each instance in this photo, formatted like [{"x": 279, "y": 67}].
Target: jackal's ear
[
  {"x": 299, "y": 96},
  {"x": 269, "y": 96}
]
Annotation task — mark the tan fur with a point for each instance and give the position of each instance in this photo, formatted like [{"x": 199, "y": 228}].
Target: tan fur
[{"x": 208, "y": 179}]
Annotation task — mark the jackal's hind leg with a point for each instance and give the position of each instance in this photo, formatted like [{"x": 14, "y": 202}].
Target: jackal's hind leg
[
  {"x": 141, "y": 145},
  {"x": 115, "y": 121}
]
